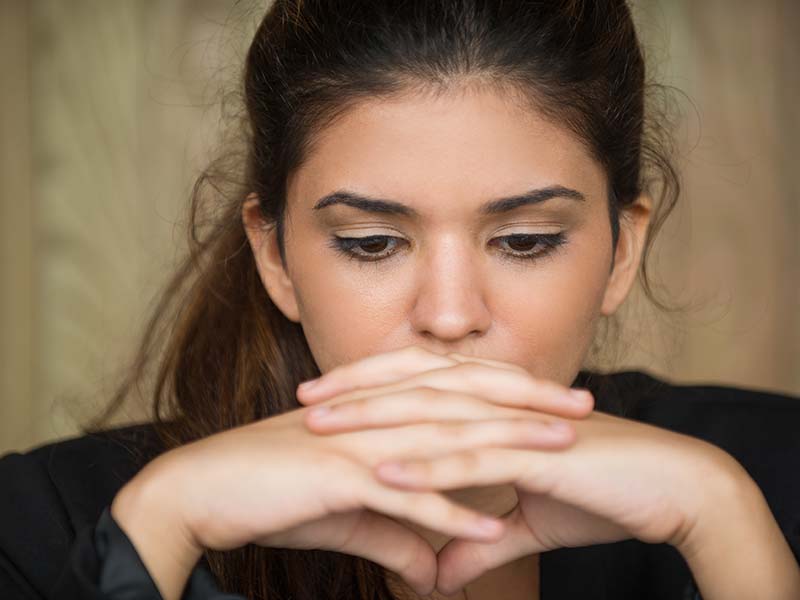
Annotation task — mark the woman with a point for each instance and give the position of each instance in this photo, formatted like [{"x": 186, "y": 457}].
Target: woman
[{"x": 441, "y": 203}]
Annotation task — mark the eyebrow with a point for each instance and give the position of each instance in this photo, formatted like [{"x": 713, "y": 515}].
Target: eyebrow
[{"x": 493, "y": 207}]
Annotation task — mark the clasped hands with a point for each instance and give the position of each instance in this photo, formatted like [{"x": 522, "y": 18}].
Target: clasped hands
[{"x": 581, "y": 476}]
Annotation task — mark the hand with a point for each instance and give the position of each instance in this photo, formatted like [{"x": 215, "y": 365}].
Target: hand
[
  {"x": 458, "y": 388},
  {"x": 241, "y": 486},
  {"x": 394, "y": 369},
  {"x": 467, "y": 387},
  {"x": 567, "y": 497},
  {"x": 621, "y": 479}
]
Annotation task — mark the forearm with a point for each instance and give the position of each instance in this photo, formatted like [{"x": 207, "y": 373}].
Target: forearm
[
  {"x": 739, "y": 551},
  {"x": 165, "y": 549}
]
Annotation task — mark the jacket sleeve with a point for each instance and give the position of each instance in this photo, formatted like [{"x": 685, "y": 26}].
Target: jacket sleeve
[
  {"x": 103, "y": 564},
  {"x": 58, "y": 540}
]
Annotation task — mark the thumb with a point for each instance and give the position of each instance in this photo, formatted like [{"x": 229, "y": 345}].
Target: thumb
[{"x": 462, "y": 561}]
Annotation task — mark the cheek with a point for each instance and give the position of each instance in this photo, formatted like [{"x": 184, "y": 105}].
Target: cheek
[
  {"x": 551, "y": 313},
  {"x": 544, "y": 316},
  {"x": 347, "y": 312}
]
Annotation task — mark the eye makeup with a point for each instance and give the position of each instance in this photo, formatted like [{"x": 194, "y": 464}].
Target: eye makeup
[{"x": 526, "y": 247}]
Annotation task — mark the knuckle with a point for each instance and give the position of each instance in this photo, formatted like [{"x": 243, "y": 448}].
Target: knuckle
[
  {"x": 333, "y": 467},
  {"x": 469, "y": 460}
]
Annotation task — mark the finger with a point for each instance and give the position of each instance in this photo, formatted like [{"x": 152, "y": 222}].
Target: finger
[
  {"x": 373, "y": 536},
  {"x": 409, "y": 406},
  {"x": 501, "y": 383},
  {"x": 395, "y": 547},
  {"x": 405, "y": 407},
  {"x": 462, "y": 561},
  {"x": 371, "y": 371},
  {"x": 427, "y": 441},
  {"x": 506, "y": 387},
  {"x": 486, "y": 361},
  {"x": 530, "y": 469},
  {"x": 383, "y": 369},
  {"x": 500, "y": 386},
  {"x": 432, "y": 510}
]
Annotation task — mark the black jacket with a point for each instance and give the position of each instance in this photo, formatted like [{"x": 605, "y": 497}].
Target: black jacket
[{"x": 58, "y": 540}]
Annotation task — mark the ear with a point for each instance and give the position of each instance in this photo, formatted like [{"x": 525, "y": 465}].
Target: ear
[
  {"x": 634, "y": 220},
  {"x": 263, "y": 240}
]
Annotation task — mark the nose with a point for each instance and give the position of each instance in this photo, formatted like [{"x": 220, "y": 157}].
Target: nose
[{"x": 450, "y": 303}]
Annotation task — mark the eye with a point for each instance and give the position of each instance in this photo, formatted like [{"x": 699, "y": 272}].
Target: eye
[
  {"x": 369, "y": 248},
  {"x": 521, "y": 246},
  {"x": 530, "y": 246}
]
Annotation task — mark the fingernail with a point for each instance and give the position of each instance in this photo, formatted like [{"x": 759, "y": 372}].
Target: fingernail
[
  {"x": 581, "y": 397},
  {"x": 307, "y": 385},
  {"x": 320, "y": 412}
]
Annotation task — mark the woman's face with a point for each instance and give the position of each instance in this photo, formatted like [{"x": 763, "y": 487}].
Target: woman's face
[{"x": 444, "y": 262}]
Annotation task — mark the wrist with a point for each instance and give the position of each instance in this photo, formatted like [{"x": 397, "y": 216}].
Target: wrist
[
  {"x": 735, "y": 548},
  {"x": 145, "y": 510},
  {"x": 726, "y": 497}
]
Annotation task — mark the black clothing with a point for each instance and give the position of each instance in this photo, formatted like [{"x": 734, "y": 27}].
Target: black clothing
[{"x": 59, "y": 542}]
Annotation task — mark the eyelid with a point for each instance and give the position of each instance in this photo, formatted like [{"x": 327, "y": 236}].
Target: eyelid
[
  {"x": 547, "y": 243},
  {"x": 522, "y": 229},
  {"x": 344, "y": 245}
]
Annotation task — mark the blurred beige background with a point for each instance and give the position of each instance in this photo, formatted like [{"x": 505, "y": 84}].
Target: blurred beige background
[{"x": 110, "y": 108}]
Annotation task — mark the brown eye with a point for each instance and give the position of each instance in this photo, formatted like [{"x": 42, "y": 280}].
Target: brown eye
[
  {"x": 366, "y": 249},
  {"x": 522, "y": 243},
  {"x": 373, "y": 245},
  {"x": 530, "y": 246}
]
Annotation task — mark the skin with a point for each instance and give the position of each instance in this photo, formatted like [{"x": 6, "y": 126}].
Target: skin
[
  {"x": 678, "y": 490},
  {"x": 240, "y": 485},
  {"x": 446, "y": 288},
  {"x": 451, "y": 362}
]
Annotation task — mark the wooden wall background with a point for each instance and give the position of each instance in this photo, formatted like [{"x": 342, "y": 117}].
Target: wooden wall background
[{"x": 109, "y": 108}]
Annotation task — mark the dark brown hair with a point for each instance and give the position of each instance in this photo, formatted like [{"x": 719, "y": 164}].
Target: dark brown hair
[{"x": 223, "y": 354}]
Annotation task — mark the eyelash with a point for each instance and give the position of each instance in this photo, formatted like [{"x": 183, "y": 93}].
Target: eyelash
[{"x": 548, "y": 241}]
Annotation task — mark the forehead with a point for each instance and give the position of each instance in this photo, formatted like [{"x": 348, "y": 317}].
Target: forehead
[{"x": 430, "y": 150}]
